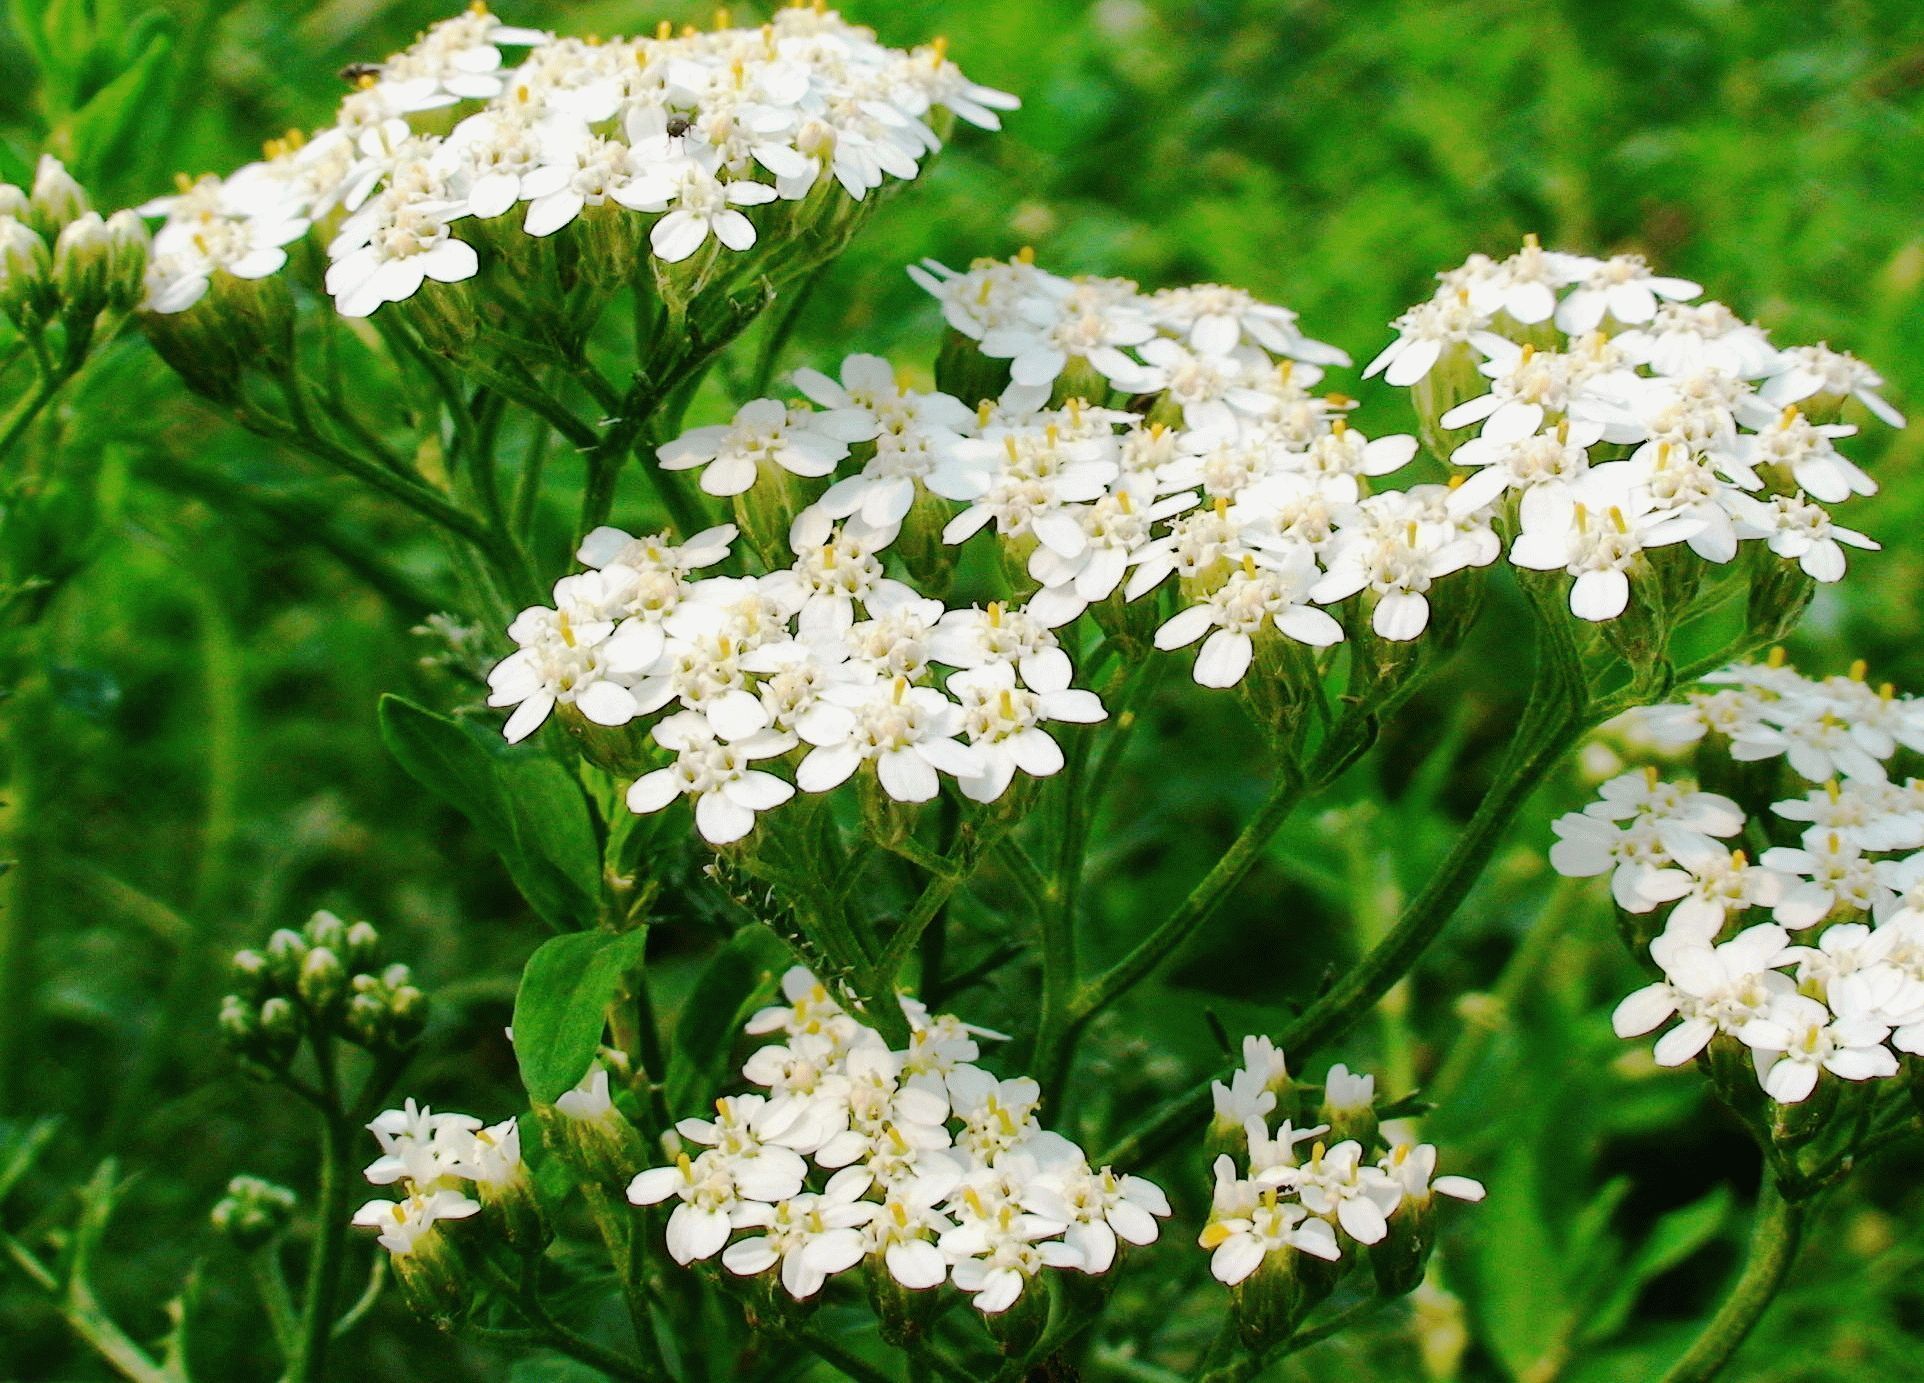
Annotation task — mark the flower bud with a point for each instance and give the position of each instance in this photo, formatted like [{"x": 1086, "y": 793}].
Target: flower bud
[
  {"x": 131, "y": 245},
  {"x": 1401, "y": 1257},
  {"x": 323, "y": 982},
  {"x": 325, "y": 929},
  {"x": 286, "y": 949},
  {"x": 83, "y": 268},
  {"x": 280, "y": 1031},
  {"x": 766, "y": 510},
  {"x": 13, "y": 202},
  {"x": 56, "y": 200},
  {"x": 253, "y": 1213},
  {"x": 239, "y": 1024},
  {"x": 407, "y": 1015},
  {"x": 366, "y": 1020},
  {"x": 1349, "y": 1106},
  {"x": 251, "y": 974},
  {"x": 27, "y": 294},
  {"x": 361, "y": 947}
]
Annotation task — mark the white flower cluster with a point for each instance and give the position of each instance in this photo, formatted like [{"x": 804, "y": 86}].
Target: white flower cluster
[
  {"x": 435, "y": 1159},
  {"x": 1280, "y": 1201},
  {"x": 935, "y": 1170},
  {"x": 685, "y": 128},
  {"x": 1627, "y": 418},
  {"x": 1853, "y": 887},
  {"x": 830, "y": 654},
  {"x": 1227, "y": 473}
]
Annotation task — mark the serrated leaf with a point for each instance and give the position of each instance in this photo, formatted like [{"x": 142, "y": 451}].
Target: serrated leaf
[
  {"x": 527, "y": 807},
  {"x": 561, "y": 1007},
  {"x": 739, "y": 978}
]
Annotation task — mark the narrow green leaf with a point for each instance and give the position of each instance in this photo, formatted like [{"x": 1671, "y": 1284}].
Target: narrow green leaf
[
  {"x": 102, "y": 129},
  {"x": 561, "y": 1008}
]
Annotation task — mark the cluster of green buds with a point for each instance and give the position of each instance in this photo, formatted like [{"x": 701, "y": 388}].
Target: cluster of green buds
[
  {"x": 326, "y": 980},
  {"x": 254, "y": 1212},
  {"x": 62, "y": 263}
]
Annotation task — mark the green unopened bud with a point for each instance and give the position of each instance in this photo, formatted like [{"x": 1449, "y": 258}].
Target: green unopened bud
[
  {"x": 286, "y": 949},
  {"x": 445, "y": 316},
  {"x": 27, "y": 293},
  {"x": 251, "y": 974},
  {"x": 1349, "y": 1106},
  {"x": 239, "y": 1024},
  {"x": 253, "y": 1212},
  {"x": 366, "y": 1020},
  {"x": 280, "y": 1030},
  {"x": 325, "y": 929},
  {"x": 323, "y": 982},
  {"x": 407, "y": 1015},
  {"x": 131, "y": 246},
  {"x": 766, "y": 510},
  {"x": 887, "y": 821},
  {"x": 56, "y": 200},
  {"x": 362, "y": 946},
  {"x": 83, "y": 268}
]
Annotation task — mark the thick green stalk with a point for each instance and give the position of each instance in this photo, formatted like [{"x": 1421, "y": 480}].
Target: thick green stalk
[
  {"x": 1774, "y": 1240},
  {"x": 330, "y": 1233}
]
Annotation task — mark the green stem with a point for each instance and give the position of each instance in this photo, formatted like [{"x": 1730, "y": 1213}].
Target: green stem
[
  {"x": 829, "y": 1349},
  {"x": 1774, "y": 1240},
  {"x": 1539, "y": 746},
  {"x": 527, "y": 1300},
  {"x": 1203, "y": 900},
  {"x": 21, "y": 417},
  {"x": 323, "y": 1283},
  {"x": 271, "y": 1282},
  {"x": 1251, "y": 1364}
]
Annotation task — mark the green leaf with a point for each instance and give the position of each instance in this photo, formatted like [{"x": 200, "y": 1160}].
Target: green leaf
[
  {"x": 527, "y": 807},
  {"x": 104, "y": 127},
  {"x": 561, "y": 1008},
  {"x": 739, "y": 978},
  {"x": 1675, "y": 1239}
]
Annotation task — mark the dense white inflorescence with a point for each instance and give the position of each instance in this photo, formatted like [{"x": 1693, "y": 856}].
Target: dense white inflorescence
[
  {"x": 448, "y": 144},
  {"x": 1810, "y": 955}
]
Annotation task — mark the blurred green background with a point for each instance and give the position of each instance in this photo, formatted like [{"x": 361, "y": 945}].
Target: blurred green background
[{"x": 193, "y": 760}]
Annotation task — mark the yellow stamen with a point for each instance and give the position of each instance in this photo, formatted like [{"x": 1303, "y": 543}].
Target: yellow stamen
[
  {"x": 995, "y": 614},
  {"x": 1776, "y": 656},
  {"x": 1025, "y": 255},
  {"x": 1215, "y": 1235},
  {"x": 1008, "y": 704},
  {"x": 1860, "y": 670},
  {"x": 1249, "y": 566}
]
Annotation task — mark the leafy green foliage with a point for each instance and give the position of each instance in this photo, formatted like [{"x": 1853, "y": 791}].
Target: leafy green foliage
[
  {"x": 561, "y": 1006},
  {"x": 234, "y": 615},
  {"x": 524, "y": 803}
]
